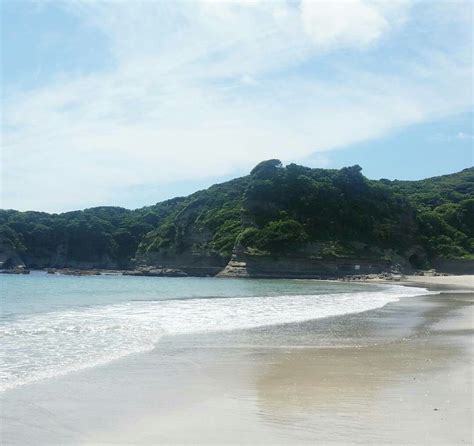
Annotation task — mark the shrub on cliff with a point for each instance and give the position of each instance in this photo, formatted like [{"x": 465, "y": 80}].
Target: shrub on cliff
[{"x": 276, "y": 236}]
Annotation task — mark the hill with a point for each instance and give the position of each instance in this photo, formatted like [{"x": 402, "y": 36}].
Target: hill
[{"x": 291, "y": 216}]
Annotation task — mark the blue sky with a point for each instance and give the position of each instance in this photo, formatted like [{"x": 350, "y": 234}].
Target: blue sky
[{"x": 129, "y": 103}]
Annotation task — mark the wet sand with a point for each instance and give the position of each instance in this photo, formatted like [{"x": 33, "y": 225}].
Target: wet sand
[{"x": 401, "y": 374}]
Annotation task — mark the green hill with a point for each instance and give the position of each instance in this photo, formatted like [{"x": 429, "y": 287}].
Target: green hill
[{"x": 274, "y": 212}]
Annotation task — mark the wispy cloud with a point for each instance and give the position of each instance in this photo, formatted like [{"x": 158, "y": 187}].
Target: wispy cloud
[
  {"x": 463, "y": 135},
  {"x": 204, "y": 89}
]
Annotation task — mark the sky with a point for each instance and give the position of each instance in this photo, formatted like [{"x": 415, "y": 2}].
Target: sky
[{"x": 129, "y": 103}]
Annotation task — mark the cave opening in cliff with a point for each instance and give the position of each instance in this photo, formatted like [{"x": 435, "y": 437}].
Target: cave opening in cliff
[{"x": 416, "y": 261}]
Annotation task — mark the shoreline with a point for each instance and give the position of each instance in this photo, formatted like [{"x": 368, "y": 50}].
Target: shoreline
[
  {"x": 399, "y": 382},
  {"x": 400, "y": 374},
  {"x": 443, "y": 280},
  {"x": 311, "y": 312}
]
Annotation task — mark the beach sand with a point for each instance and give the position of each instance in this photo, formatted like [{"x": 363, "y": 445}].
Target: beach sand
[
  {"x": 401, "y": 374},
  {"x": 465, "y": 282}
]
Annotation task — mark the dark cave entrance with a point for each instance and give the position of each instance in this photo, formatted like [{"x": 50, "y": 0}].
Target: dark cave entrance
[{"x": 416, "y": 261}]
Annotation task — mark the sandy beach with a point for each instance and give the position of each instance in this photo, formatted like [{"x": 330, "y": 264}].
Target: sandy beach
[
  {"x": 465, "y": 282},
  {"x": 401, "y": 374}
]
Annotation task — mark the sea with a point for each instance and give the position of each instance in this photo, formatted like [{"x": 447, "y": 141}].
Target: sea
[{"x": 51, "y": 325}]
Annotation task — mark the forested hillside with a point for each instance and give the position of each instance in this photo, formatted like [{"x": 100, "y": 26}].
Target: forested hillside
[
  {"x": 105, "y": 235},
  {"x": 276, "y": 210},
  {"x": 445, "y": 212}
]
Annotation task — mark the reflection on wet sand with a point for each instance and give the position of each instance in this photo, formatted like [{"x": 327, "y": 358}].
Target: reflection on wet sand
[{"x": 386, "y": 392}]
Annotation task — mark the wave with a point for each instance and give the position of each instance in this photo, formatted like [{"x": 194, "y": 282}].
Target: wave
[{"x": 52, "y": 344}]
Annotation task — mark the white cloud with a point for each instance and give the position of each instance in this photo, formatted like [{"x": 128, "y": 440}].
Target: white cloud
[
  {"x": 350, "y": 23},
  {"x": 197, "y": 90}
]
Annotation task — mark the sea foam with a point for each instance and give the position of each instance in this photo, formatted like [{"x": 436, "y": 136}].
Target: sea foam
[{"x": 55, "y": 343}]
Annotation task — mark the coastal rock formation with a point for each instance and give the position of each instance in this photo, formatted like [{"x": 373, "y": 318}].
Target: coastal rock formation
[
  {"x": 235, "y": 268},
  {"x": 155, "y": 272},
  {"x": 198, "y": 265},
  {"x": 17, "y": 270},
  {"x": 300, "y": 267}
]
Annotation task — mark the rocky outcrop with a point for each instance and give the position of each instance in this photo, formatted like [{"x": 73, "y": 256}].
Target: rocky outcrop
[
  {"x": 198, "y": 265},
  {"x": 74, "y": 272},
  {"x": 459, "y": 266},
  {"x": 156, "y": 272},
  {"x": 234, "y": 268},
  {"x": 17, "y": 270},
  {"x": 300, "y": 267}
]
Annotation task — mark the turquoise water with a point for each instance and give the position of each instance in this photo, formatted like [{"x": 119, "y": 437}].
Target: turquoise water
[
  {"x": 40, "y": 292},
  {"x": 51, "y": 325}
]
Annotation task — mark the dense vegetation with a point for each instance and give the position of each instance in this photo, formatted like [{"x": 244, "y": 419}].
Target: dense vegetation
[
  {"x": 98, "y": 235},
  {"x": 445, "y": 212},
  {"x": 275, "y": 210},
  {"x": 334, "y": 208}
]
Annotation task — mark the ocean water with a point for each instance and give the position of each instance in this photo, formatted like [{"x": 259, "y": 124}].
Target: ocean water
[{"x": 51, "y": 325}]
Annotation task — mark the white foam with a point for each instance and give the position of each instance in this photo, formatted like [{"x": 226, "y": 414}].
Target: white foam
[{"x": 52, "y": 344}]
